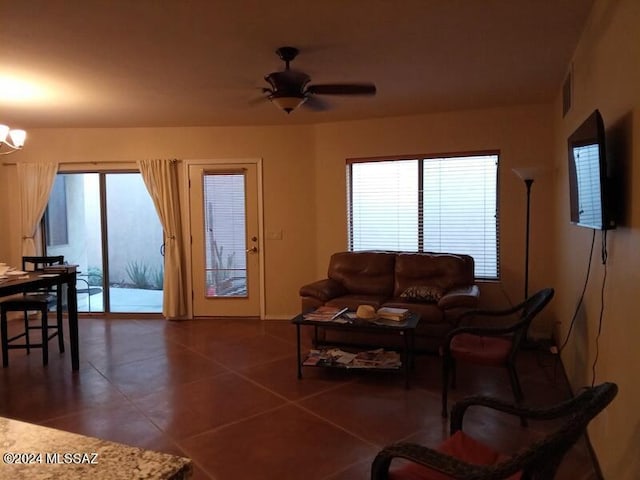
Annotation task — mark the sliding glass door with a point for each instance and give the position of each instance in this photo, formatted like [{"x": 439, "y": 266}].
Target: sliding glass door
[{"x": 106, "y": 224}]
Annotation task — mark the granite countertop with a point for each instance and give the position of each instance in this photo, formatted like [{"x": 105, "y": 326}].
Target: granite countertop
[{"x": 34, "y": 452}]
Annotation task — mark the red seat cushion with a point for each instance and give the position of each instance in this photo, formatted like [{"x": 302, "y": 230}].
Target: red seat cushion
[
  {"x": 460, "y": 446},
  {"x": 482, "y": 350}
]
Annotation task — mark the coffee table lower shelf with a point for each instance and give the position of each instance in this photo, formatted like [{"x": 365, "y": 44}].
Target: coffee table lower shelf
[{"x": 404, "y": 359}]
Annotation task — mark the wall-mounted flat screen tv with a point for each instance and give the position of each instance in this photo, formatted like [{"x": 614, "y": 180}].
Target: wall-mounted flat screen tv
[{"x": 590, "y": 204}]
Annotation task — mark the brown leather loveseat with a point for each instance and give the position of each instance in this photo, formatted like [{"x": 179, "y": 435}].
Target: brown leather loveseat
[{"x": 439, "y": 286}]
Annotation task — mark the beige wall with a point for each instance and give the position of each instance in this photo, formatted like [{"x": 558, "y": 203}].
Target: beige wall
[
  {"x": 606, "y": 76},
  {"x": 304, "y": 182},
  {"x": 287, "y": 154}
]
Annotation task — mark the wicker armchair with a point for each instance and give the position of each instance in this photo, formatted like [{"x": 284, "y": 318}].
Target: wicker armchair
[
  {"x": 490, "y": 345},
  {"x": 538, "y": 461}
]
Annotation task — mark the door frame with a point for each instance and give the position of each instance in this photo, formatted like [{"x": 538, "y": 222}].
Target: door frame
[{"x": 214, "y": 163}]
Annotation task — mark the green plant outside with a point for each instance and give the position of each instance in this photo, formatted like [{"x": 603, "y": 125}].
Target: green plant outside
[
  {"x": 94, "y": 276},
  {"x": 221, "y": 268}
]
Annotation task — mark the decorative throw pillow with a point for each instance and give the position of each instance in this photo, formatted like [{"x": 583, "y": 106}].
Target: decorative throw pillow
[{"x": 423, "y": 293}]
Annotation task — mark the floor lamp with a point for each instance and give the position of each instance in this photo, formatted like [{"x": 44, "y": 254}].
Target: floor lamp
[{"x": 527, "y": 175}]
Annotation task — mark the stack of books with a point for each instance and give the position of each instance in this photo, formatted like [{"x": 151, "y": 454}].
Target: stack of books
[{"x": 389, "y": 313}]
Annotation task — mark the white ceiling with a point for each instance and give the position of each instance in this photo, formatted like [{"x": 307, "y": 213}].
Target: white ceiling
[{"x": 127, "y": 63}]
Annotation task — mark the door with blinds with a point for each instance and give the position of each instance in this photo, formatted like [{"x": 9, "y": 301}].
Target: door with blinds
[{"x": 225, "y": 254}]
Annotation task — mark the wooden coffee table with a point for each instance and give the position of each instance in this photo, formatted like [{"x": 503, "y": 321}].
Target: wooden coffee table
[{"x": 406, "y": 329}]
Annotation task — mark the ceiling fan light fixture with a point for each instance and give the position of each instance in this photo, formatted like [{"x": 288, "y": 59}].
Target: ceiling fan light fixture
[
  {"x": 286, "y": 101},
  {"x": 288, "y": 89}
]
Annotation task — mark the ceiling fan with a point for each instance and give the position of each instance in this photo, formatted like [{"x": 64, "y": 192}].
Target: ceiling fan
[{"x": 288, "y": 89}]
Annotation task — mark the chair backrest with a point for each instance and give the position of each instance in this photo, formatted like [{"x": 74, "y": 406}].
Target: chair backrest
[
  {"x": 531, "y": 307},
  {"x": 38, "y": 263},
  {"x": 542, "y": 458},
  {"x": 536, "y": 302}
]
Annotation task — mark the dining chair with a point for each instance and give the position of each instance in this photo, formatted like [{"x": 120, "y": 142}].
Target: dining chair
[
  {"x": 493, "y": 346},
  {"x": 41, "y": 301},
  {"x": 461, "y": 456}
]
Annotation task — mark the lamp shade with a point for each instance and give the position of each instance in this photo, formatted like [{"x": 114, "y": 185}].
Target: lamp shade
[
  {"x": 288, "y": 103},
  {"x": 18, "y": 137},
  {"x": 4, "y": 131},
  {"x": 528, "y": 173}
]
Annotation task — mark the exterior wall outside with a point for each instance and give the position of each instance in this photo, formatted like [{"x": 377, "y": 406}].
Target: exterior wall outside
[
  {"x": 139, "y": 237},
  {"x": 606, "y": 76},
  {"x": 134, "y": 231}
]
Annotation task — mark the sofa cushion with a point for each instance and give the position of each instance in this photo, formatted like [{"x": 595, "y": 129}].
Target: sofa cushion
[
  {"x": 364, "y": 273},
  {"x": 423, "y": 293},
  {"x": 442, "y": 270}
]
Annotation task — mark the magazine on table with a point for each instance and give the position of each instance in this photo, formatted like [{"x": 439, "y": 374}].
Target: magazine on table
[
  {"x": 325, "y": 313},
  {"x": 336, "y": 357}
]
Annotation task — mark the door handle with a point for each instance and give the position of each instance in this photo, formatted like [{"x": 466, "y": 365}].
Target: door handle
[{"x": 253, "y": 249}]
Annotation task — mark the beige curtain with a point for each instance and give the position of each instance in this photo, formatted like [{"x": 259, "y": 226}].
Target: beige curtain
[
  {"x": 161, "y": 179},
  {"x": 36, "y": 181}
]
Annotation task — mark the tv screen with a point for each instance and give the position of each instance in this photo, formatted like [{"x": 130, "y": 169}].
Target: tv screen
[{"x": 588, "y": 196}]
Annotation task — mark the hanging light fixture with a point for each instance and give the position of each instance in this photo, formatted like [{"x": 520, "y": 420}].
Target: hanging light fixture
[
  {"x": 287, "y": 102},
  {"x": 11, "y": 140}
]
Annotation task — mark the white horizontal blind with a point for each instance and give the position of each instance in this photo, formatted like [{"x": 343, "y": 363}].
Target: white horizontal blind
[
  {"x": 225, "y": 234},
  {"x": 456, "y": 210},
  {"x": 460, "y": 209},
  {"x": 384, "y": 206}
]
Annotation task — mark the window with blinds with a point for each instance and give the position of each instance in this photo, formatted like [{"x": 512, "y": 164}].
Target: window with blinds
[
  {"x": 443, "y": 204},
  {"x": 225, "y": 234}
]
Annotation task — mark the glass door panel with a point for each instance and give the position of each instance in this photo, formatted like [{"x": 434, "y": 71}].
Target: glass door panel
[
  {"x": 134, "y": 239},
  {"x": 92, "y": 213},
  {"x": 72, "y": 228},
  {"x": 225, "y": 234}
]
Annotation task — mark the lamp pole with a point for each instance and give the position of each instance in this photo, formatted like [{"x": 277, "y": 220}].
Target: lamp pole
[
  {"x": 527, "y": 174},
  {"x": 528, "y": 182}
]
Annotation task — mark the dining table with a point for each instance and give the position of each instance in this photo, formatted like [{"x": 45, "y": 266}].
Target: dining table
[{"x": 60, "y": 276}]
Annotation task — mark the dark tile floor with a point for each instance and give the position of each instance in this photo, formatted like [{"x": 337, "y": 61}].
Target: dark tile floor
[{"x": 225, "y": 394}]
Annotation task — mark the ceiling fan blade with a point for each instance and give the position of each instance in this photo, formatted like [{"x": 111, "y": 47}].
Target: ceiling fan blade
[
  {"x": 261, "y": 99},
  {"x": 343, "y": 89},
  {"x": 316, "y": 104},
  {"x": 257, "y": 101}
]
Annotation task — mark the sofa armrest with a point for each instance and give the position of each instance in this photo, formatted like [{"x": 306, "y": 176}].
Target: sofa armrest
[
  {"x": 461, "y": 297},
  {"x": 323, "y": 289}
]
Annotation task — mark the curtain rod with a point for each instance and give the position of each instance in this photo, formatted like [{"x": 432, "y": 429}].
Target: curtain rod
[{"x": 177, "y": 160}]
